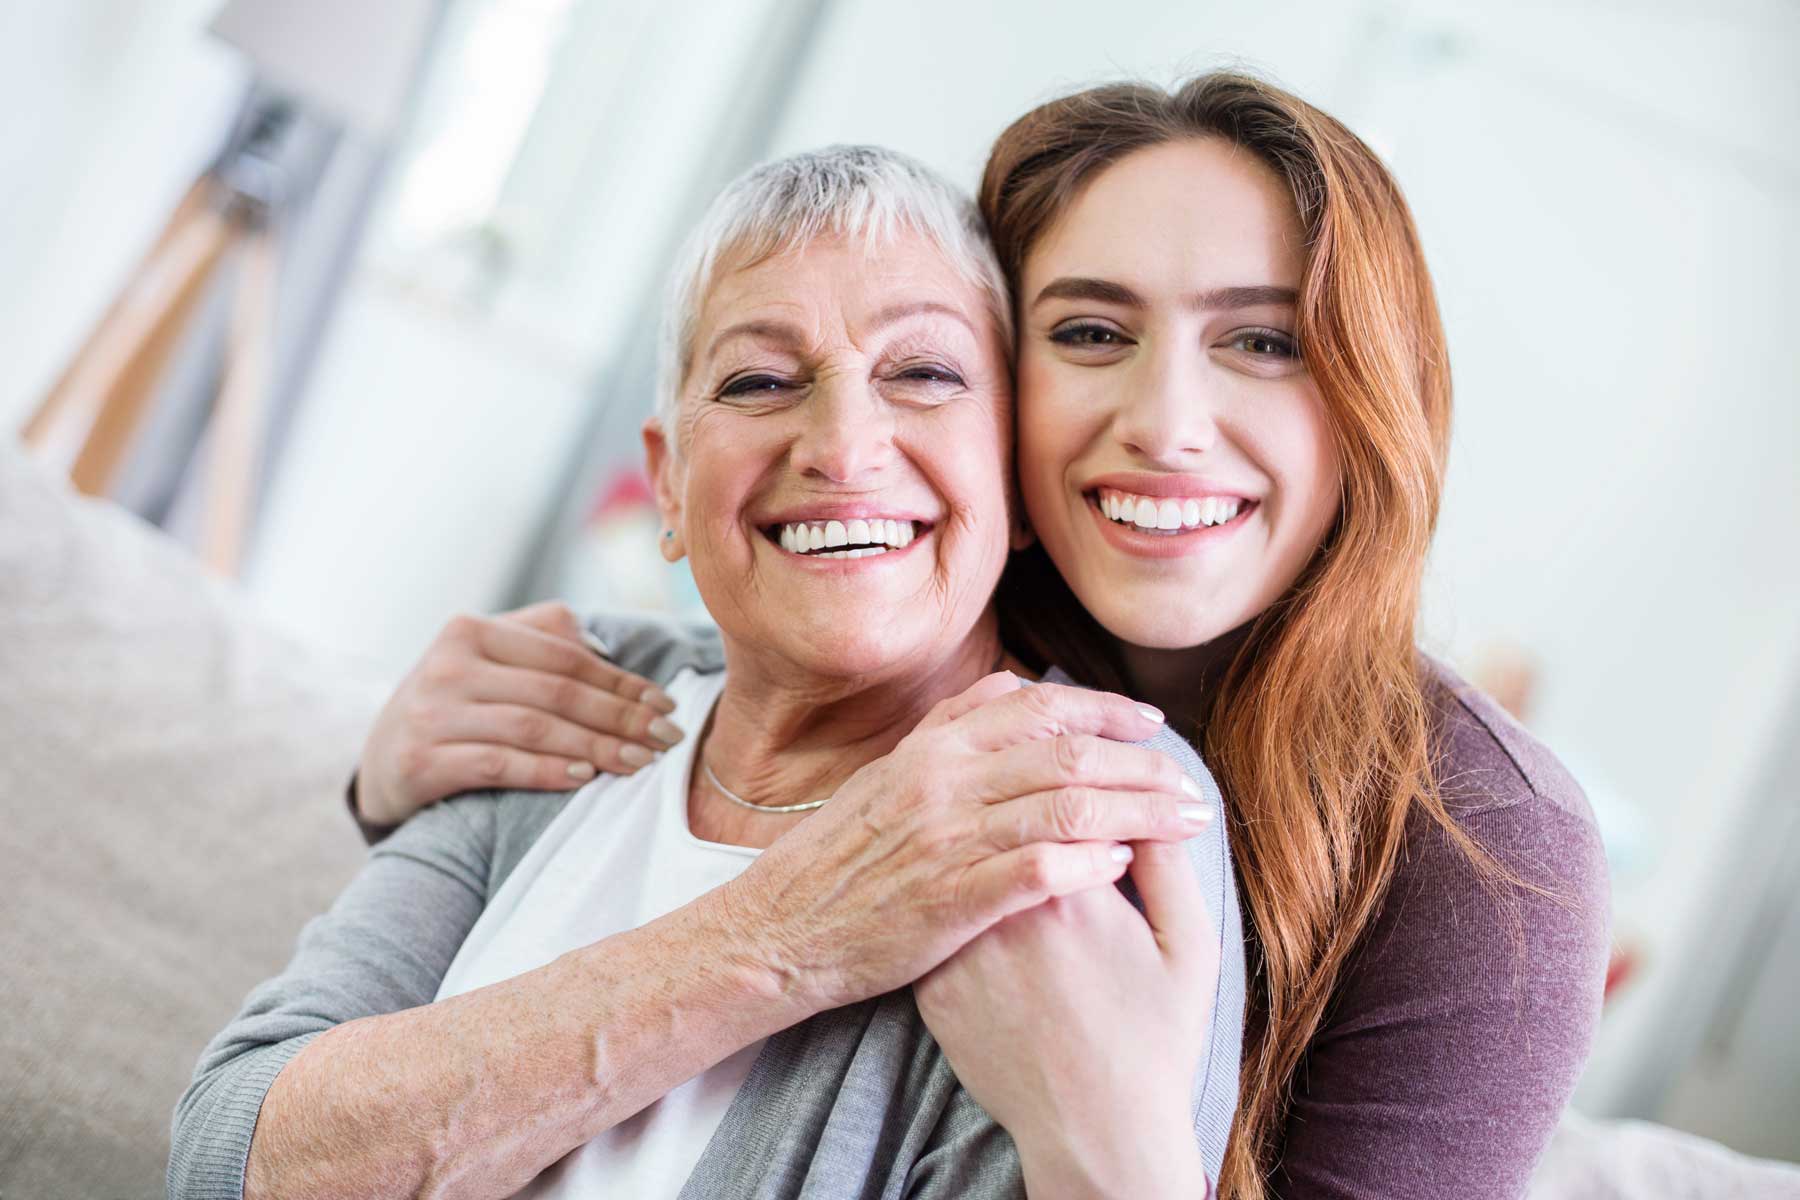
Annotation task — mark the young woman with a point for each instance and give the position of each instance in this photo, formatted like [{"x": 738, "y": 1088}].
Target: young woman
[{"x": 1233, "y": 416}]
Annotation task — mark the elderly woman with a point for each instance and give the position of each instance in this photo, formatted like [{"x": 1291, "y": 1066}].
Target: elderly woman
[{"x": 692, "y": 979}]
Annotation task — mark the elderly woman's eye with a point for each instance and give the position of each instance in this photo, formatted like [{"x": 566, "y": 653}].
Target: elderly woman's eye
[
  {"x": 1087, "y": 334},
  {"x": 751, "y": 384},
  {"x": 930, "y": 374}
]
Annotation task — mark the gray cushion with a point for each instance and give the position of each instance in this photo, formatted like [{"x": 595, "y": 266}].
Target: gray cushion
[{"x": 169, "y": 818}]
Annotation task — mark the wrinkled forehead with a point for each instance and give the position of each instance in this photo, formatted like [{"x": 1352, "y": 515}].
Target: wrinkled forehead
[{"x": 843, "y": 292}]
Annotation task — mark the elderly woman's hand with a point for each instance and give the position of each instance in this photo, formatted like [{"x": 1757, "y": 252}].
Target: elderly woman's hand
[
  {"x": 1002, "y": 798},
  {"x": 1079, "y": 1025},
  {"x": 514, "y": 701}
]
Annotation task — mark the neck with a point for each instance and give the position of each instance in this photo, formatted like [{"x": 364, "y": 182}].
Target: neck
[
  {"x": 779, "y": 737},
  {"x": 1181, "y": 681}
]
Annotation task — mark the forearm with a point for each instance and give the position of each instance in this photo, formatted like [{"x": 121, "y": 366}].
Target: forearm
[{"x": 477, "y": 1094}]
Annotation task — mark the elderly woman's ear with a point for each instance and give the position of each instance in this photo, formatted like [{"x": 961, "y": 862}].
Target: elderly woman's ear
[{"x": 665, "y": 469}]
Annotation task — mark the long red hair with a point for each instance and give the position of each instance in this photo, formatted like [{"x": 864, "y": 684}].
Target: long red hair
[{"x": 1318, "y": 727}]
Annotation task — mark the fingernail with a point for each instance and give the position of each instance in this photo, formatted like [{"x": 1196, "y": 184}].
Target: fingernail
[
  {"x": 1151, "y": 713},
  {"x": 1121, "y": 853},
  {"x": 1192, "y": 787},
  {"x": 595, "y": 644},
  {"x": 665, "y": 731},
  {"x": 635, "y": 755},
  {"x": 1197, "y": 815},
  {"x": 581, "y": 770},
  {"x": 660, "y": 700}
]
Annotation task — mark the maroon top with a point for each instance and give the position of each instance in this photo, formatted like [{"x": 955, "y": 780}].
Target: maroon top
[{"x": 1451, "y": 1045}]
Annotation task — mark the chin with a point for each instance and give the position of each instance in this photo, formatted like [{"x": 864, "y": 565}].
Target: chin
[{"x": 1157, "y": 625}]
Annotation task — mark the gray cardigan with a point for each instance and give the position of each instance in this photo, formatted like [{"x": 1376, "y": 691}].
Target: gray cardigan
[{"x": 856, "y": 1102}]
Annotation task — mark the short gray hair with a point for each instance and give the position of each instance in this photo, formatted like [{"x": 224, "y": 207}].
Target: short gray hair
[{"x": 862, "y": 192}]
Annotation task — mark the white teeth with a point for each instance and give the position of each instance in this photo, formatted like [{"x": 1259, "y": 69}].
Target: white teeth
[
  {"x": 869, "y": 536},
  {"x": 1171, "y": 514}
]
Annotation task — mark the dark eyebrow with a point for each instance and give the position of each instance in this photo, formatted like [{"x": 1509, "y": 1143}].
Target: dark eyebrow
[{"x": 1073, "y": 287}]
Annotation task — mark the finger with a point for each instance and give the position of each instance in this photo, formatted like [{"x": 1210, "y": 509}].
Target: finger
[
  {"x": 551, "y": 616},
  {"x": 574, "y": 700},
  {"x": 997, "y": 887},
  {"x": 988, "y": 687},
  {"x": 515, "y": 645},
  {"x": 476, "y": 766},
  {"x": 1045, "y": 710},
  {"x": 540, "y": 732},
  {"x": 1082, "y": 814},
  {"x": 1173, "y": 904},
  {"x": 1075, "y": 760}
]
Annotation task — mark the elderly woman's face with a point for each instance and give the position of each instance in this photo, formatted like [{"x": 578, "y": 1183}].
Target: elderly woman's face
[{"x": 839, "y": 475}]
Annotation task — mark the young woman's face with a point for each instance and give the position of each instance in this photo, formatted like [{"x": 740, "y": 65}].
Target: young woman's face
[{"x": 1173, "y": 451}]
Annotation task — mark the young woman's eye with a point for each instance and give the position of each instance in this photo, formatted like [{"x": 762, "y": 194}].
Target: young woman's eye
[
  {"x": 1083, "y": 334},
  {"x": 1265, "y": 343}
]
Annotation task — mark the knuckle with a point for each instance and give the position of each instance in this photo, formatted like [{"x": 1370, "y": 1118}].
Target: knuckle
[
  {"x": 562, "y": 693},
  {"x": 463, "y": 627},
  {"x": 1075, "y": 757},
  {"x": 1034, "y": 872},
  {"x": 528, "y": 726},
  {"x": 1074, "y": 813},
  {"x": 489, "y": 765}
]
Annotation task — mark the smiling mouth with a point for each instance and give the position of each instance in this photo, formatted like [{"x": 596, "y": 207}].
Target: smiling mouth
[
  {"x": 858, "y": 538},
  {"x": 1168, "y": 516}
]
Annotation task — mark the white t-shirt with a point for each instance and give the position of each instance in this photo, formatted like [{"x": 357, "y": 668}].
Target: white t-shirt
[{"x": 619, "y": 855}]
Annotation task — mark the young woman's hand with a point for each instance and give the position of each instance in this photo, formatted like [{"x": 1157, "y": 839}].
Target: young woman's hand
[
  {"x": 1002, "y": 798},
  {"x": 521, "y": 700},
  {"x": 1079, "y": 1025}
]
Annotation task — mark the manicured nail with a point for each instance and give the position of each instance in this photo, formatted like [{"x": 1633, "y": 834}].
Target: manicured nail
[
  {"x": 635, "y": 755},
  {"x": 1121, "y": 853},
  {"x": 1192, "y": 787},
  {"x": 1197, "y": 815},
  {"x": 1151, "y": 713},
  {"x": 665, "y": 731},
  {"x": 581, "y": 770},
  {"x": 595, "y": 644},
  {"x": 660, "y": 700}
]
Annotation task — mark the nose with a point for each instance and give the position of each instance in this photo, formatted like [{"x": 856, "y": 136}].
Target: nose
[
  {"x": 846, "y": 432},
  {"x": 1169, "y": 410}
]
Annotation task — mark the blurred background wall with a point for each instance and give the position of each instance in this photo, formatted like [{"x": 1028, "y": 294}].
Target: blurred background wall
[{"x": 1606, "y": 192}]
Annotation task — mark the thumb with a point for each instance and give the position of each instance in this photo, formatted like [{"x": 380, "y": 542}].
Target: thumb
[{"x": 1173, "y": 905}]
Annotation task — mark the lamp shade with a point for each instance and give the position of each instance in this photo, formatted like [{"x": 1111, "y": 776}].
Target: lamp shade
[{"x": 352, "y": 59}]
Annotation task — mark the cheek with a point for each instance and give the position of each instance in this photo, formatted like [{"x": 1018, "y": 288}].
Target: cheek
[
  {"x": 1304, "y": 459},
  {"x": 1056, "y": 421}
]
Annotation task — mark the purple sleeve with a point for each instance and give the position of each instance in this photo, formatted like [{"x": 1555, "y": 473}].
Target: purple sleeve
[{"x": 1456, "y": 1035}]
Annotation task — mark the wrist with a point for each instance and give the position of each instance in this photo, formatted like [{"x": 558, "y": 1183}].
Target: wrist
[
  {"x": 1144, "y": 1160},
  {"x": 750, "y": 962}
]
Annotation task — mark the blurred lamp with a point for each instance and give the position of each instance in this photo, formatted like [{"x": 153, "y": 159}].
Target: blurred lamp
[{"x": 350, "y": 59}]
